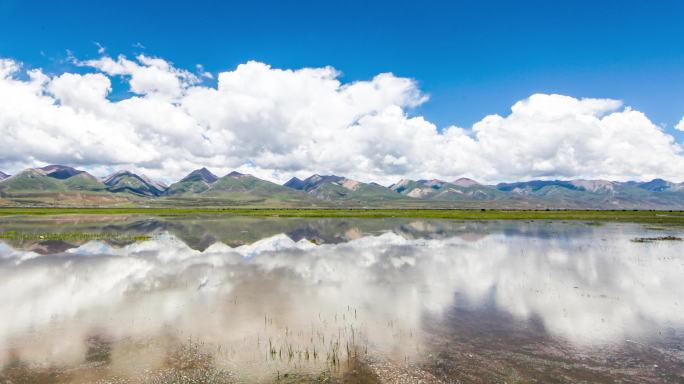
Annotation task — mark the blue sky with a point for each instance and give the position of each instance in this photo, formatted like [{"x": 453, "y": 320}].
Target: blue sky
[{"x": 472, "y": 57}]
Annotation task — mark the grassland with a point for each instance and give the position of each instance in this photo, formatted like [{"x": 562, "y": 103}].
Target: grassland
[
  {"x": 664, "y": 217},
  {"x": 70, "y": 236}
]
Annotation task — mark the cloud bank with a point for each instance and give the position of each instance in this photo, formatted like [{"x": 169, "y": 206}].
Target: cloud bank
[{"x": 277, "y": 123}]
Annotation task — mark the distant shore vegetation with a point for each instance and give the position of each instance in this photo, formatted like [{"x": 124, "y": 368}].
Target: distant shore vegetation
[{"x": 643, "y": 216}]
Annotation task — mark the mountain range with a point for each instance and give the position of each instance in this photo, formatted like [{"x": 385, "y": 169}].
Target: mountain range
[
  {"x": 60, "y": 185},
  {"x": 337, "y": 188}
]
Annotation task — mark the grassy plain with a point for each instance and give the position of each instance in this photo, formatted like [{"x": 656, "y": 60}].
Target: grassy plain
[{"x": 664, "y": 217}]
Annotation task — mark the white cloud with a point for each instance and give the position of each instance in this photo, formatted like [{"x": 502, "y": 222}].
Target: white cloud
[
  {"x": 277, "y": 123},
  {"x": 86, "y": 92},
  {"x": 7, "y": 68},
  {"x": 148, "y": 76},
  {"x": 680, "y": 125},
  {"x": 554, "y": 135}
]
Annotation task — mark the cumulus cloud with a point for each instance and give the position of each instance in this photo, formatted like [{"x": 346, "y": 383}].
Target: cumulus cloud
[
  {"x": 148, "y": 76},
  {"x": 276, "y": 123}
]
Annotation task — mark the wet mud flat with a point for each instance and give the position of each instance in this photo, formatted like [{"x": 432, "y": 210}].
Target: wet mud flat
[{"x": 451, "y": 360}]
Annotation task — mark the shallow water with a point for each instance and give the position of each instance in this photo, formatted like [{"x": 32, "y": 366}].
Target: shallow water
[{"x": 215, "y": 299}]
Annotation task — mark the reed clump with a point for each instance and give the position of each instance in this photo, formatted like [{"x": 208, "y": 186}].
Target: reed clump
[{"x": 658, "y": 238}]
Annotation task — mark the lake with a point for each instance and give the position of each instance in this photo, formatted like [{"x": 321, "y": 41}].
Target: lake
[{"x": 195, "y": 299}]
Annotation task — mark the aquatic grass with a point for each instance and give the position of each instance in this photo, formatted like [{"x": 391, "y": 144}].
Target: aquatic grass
[
  {"x": 335, "y": 349},
  {"x": 658, "y": 238}
]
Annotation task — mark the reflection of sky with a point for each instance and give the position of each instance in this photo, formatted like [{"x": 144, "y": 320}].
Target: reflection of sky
[{"x": 594, "y": 287}]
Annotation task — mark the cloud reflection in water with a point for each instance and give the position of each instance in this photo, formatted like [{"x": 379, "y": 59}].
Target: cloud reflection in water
[{"x": 592, "y": 286}]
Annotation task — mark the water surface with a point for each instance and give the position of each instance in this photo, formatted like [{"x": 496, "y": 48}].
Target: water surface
[{"x": 215, "y": 299}]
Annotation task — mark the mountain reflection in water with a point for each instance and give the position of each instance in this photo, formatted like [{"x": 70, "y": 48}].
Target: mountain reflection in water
[{"x": 263, "y": 296}]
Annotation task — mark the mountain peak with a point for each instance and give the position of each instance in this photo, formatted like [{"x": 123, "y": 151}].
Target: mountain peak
[
  {"x": 465, "y": 182},
  {"x": 295, "y": 183},
  {"x": 432, "y": 183},
  {"x": 61, "y": 172},
  {"x": 125, "y": 180},
  {"x": 656, "y": 185},
  {"x": 314, "y": 181},
  {"x": 401, "y": 185},
  {"x": 236, "y": 174},
  {"x": 3, "y": 175},
  {"x": 313, "y": 178},
  {"x": 116, "y": 175},
  {"x": 203, "y": 174}
]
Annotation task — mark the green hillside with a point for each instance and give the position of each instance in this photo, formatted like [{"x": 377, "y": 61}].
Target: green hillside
[
  {"x": 54, "y": 187},
  {"x": 351, "y": 190},
  {"x": 237, "y": 183},
  {"x": 445, "y": 191},
  {"x": 125, "y": 181},
  {"x": 84, "y": 182},
  {"x": 32, "y": 180},
  {"x": 234, "y": 189},
  {"x": 197, "y": 181}
]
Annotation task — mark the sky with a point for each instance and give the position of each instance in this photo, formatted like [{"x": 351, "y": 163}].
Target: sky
[{"x": 393, "y": 89}]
